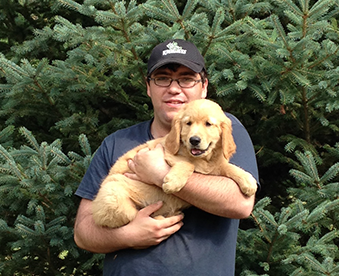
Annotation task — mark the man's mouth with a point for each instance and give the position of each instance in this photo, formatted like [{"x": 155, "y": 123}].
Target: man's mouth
[{"x": 175, "y": 102}]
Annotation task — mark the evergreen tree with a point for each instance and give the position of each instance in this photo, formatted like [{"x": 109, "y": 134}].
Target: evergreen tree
[
  {"x": 302, "y": 238},
  {"x": 21, "y": 21},
  {"x": 79, "y": 69},
  {"x": 38, "y": 208}
]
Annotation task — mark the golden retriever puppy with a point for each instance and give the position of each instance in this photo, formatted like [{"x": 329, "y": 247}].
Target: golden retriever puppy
[{"x": 200, "y": 140}]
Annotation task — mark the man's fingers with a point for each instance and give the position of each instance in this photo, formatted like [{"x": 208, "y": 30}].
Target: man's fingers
[
  {"x": 171, "y": 226},
  {"x": 159, "y": 146},
  {"x": 175, "y": 220},
  {"x": 131, "y": 164},
  {"x": 150, "y": 209},
  {"x": 165, "y": 222},
  {"x": 132, "y": 176},
  {"x": 153, "y": 231},
  {"x": 143, "y": 150}
]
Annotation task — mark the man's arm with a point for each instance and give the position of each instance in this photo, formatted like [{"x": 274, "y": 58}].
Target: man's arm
[
  {"x": 142, "y": 232},
  {"x": 214, "y": 194},
  {"x": 217, "y": 195}
]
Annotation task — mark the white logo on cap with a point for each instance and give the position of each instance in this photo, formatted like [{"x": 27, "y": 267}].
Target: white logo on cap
[{"x": 173, "y": 48}]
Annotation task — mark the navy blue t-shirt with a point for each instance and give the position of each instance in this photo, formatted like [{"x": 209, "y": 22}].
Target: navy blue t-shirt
[{"x": 205, "y": 245}]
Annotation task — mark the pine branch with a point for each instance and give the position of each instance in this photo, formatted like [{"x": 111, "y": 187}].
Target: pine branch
[
  {"x": 320, "y": 8},
  {"x": 11, "y": 70},
  {"x": 13, "y": 167},
  {"x": 171, "y": 7},
  {"x": 330, "y": 174},
  {"x": 302, "y": 177},
  {"x": 295, "y": 221},
  {"x": 217, "y": 22},
  {"x": 60, "y": 157},
  {"x": 5, "y": 135},
  {"x": 189, "y": 8},
  {"x": 29, "y": 137},
  {"x": 309, "y": 164},
  {"x": 69, "y": 4},
  {"x": 321, "y": 211},
  {"x": 290, "y": 5},
  {"x": 166, "y": 11},
  {"x": 85, "y": 146},
  {"x": 280, "y": 31}
]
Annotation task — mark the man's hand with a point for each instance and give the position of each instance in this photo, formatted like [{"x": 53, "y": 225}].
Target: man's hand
[
  {"x": 149, "y": 166},
  {"x": 146, "y": 231}
]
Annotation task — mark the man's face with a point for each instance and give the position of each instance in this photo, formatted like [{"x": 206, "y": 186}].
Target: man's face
[{"x": 168, "y": 100}]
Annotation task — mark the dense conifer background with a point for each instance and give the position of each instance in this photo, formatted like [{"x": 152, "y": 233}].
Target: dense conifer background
[{"x": 72, "y": 72}]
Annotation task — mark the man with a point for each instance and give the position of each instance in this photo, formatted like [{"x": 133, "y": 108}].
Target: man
[{"x": 203, "y": 241}]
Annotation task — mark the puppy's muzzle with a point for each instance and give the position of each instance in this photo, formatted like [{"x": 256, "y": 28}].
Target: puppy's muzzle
[{"x": 196, "y": 150}]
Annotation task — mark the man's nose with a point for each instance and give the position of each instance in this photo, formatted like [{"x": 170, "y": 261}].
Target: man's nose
[{"x": 174, "y": 87}]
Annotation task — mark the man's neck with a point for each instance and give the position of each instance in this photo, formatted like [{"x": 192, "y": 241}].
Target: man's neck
[{"x": 159, "y": 130}]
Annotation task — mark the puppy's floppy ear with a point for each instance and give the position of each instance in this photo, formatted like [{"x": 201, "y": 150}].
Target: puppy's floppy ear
[
  {"x": 172, "y": 142},
  {"x": 228, "y": 144}
]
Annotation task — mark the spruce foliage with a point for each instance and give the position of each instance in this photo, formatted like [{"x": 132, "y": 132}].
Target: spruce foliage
[
  {"x": 38, "y": 208},
  {"x": 72, "y": 72},
  {"x": 300, "y": 239}
]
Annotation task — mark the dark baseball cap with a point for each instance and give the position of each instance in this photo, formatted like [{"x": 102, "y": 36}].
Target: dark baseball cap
[{"x": 176, "y": 51}]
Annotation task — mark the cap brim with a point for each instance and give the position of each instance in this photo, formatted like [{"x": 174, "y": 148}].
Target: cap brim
[{"x": 189, "y": 64}]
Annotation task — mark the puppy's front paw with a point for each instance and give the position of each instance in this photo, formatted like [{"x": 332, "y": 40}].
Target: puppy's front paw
[
  {"x": 249, "y": 185},
  {"x": 172, "y": 184}
]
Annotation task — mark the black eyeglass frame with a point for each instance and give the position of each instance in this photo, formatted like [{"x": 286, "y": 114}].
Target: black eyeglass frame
[{"x": 177, "y": 80}]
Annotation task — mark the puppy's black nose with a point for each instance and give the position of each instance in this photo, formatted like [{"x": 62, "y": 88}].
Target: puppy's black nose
[{"x": 195, "y": 140}]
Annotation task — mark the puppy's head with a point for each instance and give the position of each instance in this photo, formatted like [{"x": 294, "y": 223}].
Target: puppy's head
[{"x": 202, "y": 128}]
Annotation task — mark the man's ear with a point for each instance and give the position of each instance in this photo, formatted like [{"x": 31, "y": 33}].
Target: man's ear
[
  {"x": 204, "y": 89},
  {"x": 148, "y": 89}
]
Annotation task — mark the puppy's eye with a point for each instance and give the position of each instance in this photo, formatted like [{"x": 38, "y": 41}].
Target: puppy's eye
[
  {"x": 208, "y": 124},
  {"x": 189, "y": 123}
]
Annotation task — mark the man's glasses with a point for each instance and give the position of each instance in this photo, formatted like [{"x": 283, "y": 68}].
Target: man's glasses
[{"x": 183, "y": 82}]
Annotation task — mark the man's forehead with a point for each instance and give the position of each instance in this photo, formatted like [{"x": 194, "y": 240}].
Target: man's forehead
[{"x": 181, "y": 70}]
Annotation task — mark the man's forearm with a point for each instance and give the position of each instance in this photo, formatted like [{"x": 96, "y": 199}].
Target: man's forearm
[
  {"x": 217, "y": 195},
  {"x": 94, "y": 238}
]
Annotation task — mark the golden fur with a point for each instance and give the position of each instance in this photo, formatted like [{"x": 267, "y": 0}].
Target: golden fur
[{"x": 200, "y": 140}]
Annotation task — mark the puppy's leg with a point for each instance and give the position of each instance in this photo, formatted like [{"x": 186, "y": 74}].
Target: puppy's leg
[
  {"x": 177, "y": 177},
  {"x": 246, "y": 182}
]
